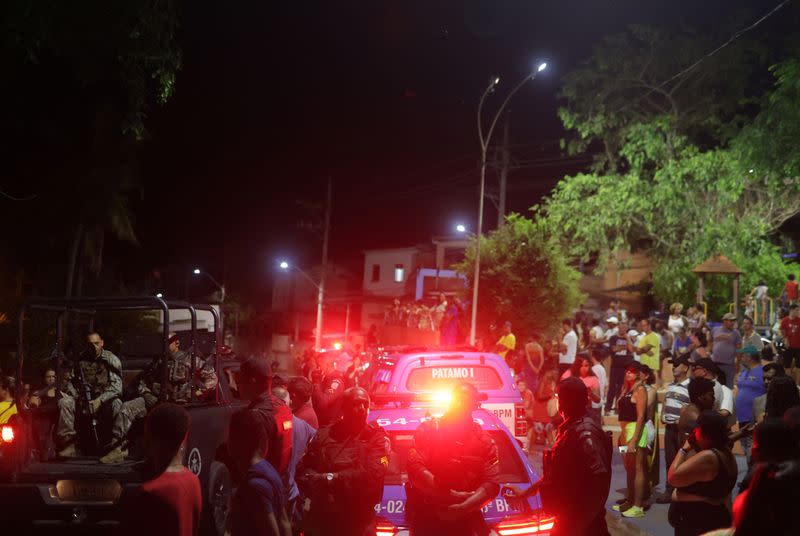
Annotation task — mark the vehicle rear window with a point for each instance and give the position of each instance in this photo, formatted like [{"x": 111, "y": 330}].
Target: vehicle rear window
[
  {"x": 512, "y": 469},
  {"x": 432, "y": 378}
]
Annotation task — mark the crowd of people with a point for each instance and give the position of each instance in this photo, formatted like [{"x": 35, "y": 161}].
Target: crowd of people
[
  {"x": 720, "y": 384},
  {"x": 304, "y": 456},
  {"x": 446, "y": 316}
]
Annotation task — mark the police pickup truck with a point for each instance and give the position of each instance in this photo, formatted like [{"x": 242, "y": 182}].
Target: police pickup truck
[{"x": 39, "y": 489}]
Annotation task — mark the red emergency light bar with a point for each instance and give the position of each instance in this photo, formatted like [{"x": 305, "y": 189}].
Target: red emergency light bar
[{"x": 380, "y": 399}]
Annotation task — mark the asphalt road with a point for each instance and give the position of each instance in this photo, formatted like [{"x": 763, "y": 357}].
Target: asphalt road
[{"x": 655, "y": 522}]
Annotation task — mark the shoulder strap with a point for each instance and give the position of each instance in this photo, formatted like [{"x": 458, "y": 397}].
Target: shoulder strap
[{"x": 720, "y": 462}]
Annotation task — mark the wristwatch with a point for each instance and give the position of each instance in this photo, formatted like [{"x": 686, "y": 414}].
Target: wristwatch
[
  {"x": 329, "y": 477},
  {"x": 685, "y": 451}
]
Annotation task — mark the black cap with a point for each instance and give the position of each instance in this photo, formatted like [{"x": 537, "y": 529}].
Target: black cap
[
  {"x": 706, "y": 363},
  {"x": 256, "y": 368},
  {"x": 680, "y": 360}
]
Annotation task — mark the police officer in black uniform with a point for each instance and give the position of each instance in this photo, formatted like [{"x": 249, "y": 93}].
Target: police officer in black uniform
[
  {"x": 577, "y": 471},
  {"x": 453, "y": 471},
  {"x": 342, "y": 472}
]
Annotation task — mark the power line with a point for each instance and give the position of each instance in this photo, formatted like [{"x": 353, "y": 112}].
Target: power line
[{"x": 733, "y": 38}]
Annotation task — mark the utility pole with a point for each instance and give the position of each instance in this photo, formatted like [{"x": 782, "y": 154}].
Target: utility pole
[
  {"x": 505, "y": 161},
  {"x": 321, "y": 290}
]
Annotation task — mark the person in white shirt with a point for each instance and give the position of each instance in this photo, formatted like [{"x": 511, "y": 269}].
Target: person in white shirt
[
  {"x": 612, "y": 328},
  {"x": 568, "y": 348},
  {"x": 602, "y": 377},
  {"x": 611, "y": 331},
  {"x": 723, "y": 395}
]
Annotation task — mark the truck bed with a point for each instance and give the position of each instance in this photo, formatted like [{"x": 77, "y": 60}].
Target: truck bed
[{"x": 82, "y": 468}]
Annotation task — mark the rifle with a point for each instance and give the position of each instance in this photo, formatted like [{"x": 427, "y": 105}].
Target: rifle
[{"x": 87, "y": 395}]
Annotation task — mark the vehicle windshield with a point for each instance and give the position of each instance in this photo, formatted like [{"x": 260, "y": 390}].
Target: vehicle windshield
[
  {"x": 512, "y": 469},
  {"x": 442, "y": 377}
]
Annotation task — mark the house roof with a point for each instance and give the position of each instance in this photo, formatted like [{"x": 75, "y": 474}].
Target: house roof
[{"x": 718, "y": 264}]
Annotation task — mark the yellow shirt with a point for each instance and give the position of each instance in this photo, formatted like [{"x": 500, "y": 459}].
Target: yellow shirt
[
  {"x": 509, "y": 341},
  {"x": 652, "y": 358},
  {"x": 6, "y": 411}
]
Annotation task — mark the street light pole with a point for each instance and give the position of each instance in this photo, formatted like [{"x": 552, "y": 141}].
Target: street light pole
[
  {"x": 321, "y": 288},
  {"x": 198, "y": 271},
  {"x": 284, "y": 265},
  {"x": 484, "y": 147}
]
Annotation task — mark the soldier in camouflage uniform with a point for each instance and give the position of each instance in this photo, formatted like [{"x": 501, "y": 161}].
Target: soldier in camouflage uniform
[
  {"x": 179, "y": 370},
  {"x": 149, "y": 390},
  {"x": 103, "y": 375}
]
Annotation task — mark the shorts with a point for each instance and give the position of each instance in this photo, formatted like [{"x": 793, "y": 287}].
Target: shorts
[
  {"x": 647, "y": 437},
  {"x": 791, "y": 355}
]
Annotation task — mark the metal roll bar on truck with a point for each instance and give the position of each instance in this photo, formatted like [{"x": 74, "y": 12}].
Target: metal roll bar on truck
[{"x": 81, "y": 491}]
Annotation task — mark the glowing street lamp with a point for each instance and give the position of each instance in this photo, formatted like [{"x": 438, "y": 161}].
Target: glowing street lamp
[
  {"x": 159, "y": 295},
  {"x": 461, "y": 228},
  {"x": 484, "y": 147}
]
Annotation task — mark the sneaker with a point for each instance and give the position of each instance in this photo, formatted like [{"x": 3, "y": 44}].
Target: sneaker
[
  {"x": 621, "y": 507},
  {"x": 634, "y": 511}
]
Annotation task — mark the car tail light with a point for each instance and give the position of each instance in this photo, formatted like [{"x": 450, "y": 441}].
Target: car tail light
[
  {"x": 521, "y": 526},
  {"x": 384, "y": 527},
  {"x": 7, "y": 434}
]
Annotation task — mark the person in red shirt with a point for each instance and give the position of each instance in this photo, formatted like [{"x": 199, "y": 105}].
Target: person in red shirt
[
  {"x": 527, "y": 403},
  {"x": 790, "y": 329},
  {"x": 300, "y": 390},
  {"x": 170, "y": 503},
  {"x": 791, "y": 289}
]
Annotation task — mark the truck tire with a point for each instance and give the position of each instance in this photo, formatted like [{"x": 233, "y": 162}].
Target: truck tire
[{"x": 218, "y": 504}]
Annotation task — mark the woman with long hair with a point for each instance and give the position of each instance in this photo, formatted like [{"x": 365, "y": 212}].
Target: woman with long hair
[
  {"x": 633, "y": 440},
  {"x": 782, "y": 395},
  {"x": 676, "y": 321},
  {"x": 582, "y": 368},
  {"x": 764, "y": 508},
  {"x": 543, "y": 408},
  {"x": 703, "y": 473},
  {"x": 699, "y": 347}
]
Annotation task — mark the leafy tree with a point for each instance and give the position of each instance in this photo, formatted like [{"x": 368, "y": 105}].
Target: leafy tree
[
  {"x": 627, "y": 82},
  {"x": 525, "y": 277},
  {"x": 80, "y": 80},
  {"x": 679, "y": 178}
]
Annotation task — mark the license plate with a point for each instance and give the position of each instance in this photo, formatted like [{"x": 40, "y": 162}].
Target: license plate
[{"x": 91, "y": 491}]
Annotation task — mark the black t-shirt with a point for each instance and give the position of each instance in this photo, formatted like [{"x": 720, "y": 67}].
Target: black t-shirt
[
  {"x": 582, "y": 454},
  {"x": 620, "y": 356}
]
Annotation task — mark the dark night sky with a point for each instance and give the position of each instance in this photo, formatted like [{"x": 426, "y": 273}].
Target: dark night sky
[{"x": 276, "y": 96}]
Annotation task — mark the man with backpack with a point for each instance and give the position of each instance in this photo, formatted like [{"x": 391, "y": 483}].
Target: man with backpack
[
  {"x": 581, "y": 456},
  {"x": 255, "y": 385}
]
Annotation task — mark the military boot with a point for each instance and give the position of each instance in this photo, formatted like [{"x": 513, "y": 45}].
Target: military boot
[
  {"x": 68, "y": 451},
  {"x": 117, "y": 455}
]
